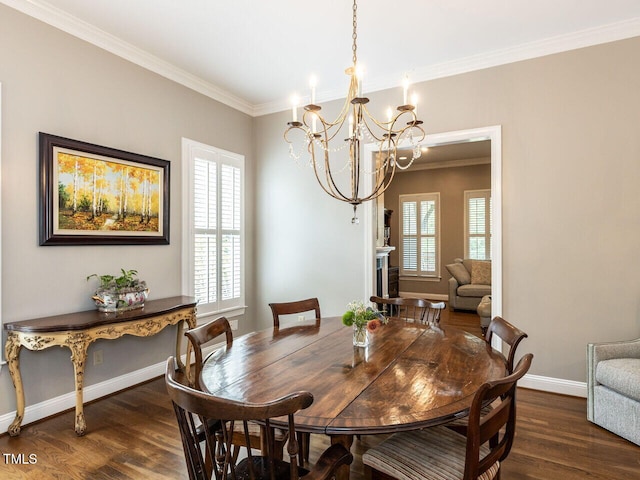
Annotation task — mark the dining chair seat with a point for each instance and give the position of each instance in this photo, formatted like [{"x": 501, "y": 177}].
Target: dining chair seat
[
  {"x": 440, "y": 453},
  {"x": 436, "y": 453}
]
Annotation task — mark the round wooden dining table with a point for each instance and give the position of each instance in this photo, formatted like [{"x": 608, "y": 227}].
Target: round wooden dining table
[{"x": 410, "y": 376}]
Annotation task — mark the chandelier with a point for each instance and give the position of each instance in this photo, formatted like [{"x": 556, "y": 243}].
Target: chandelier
[{"x": 335, "y": 147}]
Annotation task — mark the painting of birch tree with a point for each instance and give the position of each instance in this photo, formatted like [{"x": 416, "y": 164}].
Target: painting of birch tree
[{"x": 106, "y": 195}]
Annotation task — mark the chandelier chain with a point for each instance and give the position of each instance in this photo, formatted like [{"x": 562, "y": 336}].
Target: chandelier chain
[{"x": 355, "y": 34}]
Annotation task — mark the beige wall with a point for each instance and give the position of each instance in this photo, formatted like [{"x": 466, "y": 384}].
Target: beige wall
[
  {"x": 570, "y": 210},
  {"x": 55, "y": 83},
  {"x": 571, "y": 166},
  {"x": 451, "y": 184}
]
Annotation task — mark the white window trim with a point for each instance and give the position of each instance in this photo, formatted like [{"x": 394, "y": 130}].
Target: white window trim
[
  {"x": 409, "y": 275},
  {"x": 189, "y": 150},
  {"x": 485, "y": 193}
]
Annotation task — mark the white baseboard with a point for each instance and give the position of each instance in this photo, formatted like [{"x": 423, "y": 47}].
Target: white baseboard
[
  {"x": 67, "y": 401},
  {"x": 554, "y": 385},
  {"x": 33, "y": 413}
]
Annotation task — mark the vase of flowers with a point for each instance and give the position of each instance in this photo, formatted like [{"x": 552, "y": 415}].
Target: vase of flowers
[{"x": 364, "y": 320}]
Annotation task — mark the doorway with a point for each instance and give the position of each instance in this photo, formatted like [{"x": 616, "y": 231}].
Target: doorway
[{"x": 492, "y": 134}]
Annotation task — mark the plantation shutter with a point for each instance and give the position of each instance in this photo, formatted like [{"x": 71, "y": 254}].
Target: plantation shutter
[
  {"x": 205, "y": 225},
  {"x": 420, "y": 235},
  {"x": 216, "y": 222},
  {"x": 478, "y": 224},
  {"x": 230, "y": 212}
]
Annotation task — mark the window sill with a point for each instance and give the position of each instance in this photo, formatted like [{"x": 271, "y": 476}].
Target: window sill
[
  {"x": 412, "y": 278},
  {"x": 229, "y": 312}
]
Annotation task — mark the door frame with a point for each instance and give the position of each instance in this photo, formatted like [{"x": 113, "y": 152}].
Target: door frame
[{"x": 492, "y": 133}]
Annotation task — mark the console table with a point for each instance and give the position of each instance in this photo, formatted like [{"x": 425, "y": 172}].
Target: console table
[{"x": 77, "y": 330}]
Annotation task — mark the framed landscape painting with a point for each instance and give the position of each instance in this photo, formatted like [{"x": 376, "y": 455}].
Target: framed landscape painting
[{"x": 93, "y": 195}]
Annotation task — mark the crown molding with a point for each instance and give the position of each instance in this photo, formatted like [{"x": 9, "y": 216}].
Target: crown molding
[
  {"x": 562, "y": 43},
  {"x": 466, "y": 162},
  {"x": 583, "y": 38},
  {"x": 44, "y": 12}
]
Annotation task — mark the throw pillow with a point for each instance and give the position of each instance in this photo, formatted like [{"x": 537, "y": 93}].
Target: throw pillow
[
  {"x": 481, "y": 272},
  {"x": 460, "y": 273}
]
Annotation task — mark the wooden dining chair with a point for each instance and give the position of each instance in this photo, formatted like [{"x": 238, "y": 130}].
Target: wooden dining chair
[
  {"x": 191, "y": 405},
  {"x": 415, "y": 309},
  {"x": 438, "y": 452},
  {"x": 290, "y": 308},
  {"x": 509, "y": 334},
  {"x": 202, "y": 335}
]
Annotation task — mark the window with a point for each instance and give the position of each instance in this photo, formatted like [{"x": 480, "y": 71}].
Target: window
[
  {"x": 420, "y": 242},
  {"x": 477, "y": 224},
  {"x": 213, "y": 220}
]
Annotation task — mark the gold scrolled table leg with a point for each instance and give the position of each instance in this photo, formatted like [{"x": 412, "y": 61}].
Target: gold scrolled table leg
[
  {"x": 12, "y": 354},
  {"x": 78, "y": 344},
  {"x": 15, "y": 341}
]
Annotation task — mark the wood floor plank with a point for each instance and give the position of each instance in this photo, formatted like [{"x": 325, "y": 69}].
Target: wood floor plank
[{"x": 133, "y": 435}]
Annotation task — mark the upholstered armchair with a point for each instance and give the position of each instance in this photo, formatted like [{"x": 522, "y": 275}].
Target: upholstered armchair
[{"x": 613, "y": 387}]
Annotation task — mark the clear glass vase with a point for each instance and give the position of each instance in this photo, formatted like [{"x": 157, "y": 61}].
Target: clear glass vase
[{"x": 360, "y": 336}]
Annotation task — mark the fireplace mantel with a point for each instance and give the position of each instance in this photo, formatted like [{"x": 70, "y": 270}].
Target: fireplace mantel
[{"x": 382, "y": 261}]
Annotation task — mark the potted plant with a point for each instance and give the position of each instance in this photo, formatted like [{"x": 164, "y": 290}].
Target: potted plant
[{"x": 116, "y": 294}]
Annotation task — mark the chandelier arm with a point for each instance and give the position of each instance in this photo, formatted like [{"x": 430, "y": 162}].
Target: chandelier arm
[
  {"x": 386, "y": 164},
  {"x": 355, "y": 167},
  {"x": 406, "y": 130},
  {"x": 339, "y": 119},
  {"x": 331, "y": 187},
  {"x": 370, "y": 131},
  {"x": 337, "y": 195},
  {"x": 385, "y": 126},
  {"x": 342, "y": 116},
  {"x": 388, "y": 126},
  {"x": 382, "y": 186}
]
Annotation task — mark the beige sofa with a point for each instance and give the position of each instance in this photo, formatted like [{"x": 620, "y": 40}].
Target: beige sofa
[{"x": 470, "y": 281}]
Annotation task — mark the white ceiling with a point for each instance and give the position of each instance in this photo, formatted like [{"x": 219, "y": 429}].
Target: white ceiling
[{"x": 253, "y": 55}]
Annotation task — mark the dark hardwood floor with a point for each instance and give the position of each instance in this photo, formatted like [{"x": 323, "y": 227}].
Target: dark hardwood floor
[{"x": 133, "y": 435}]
